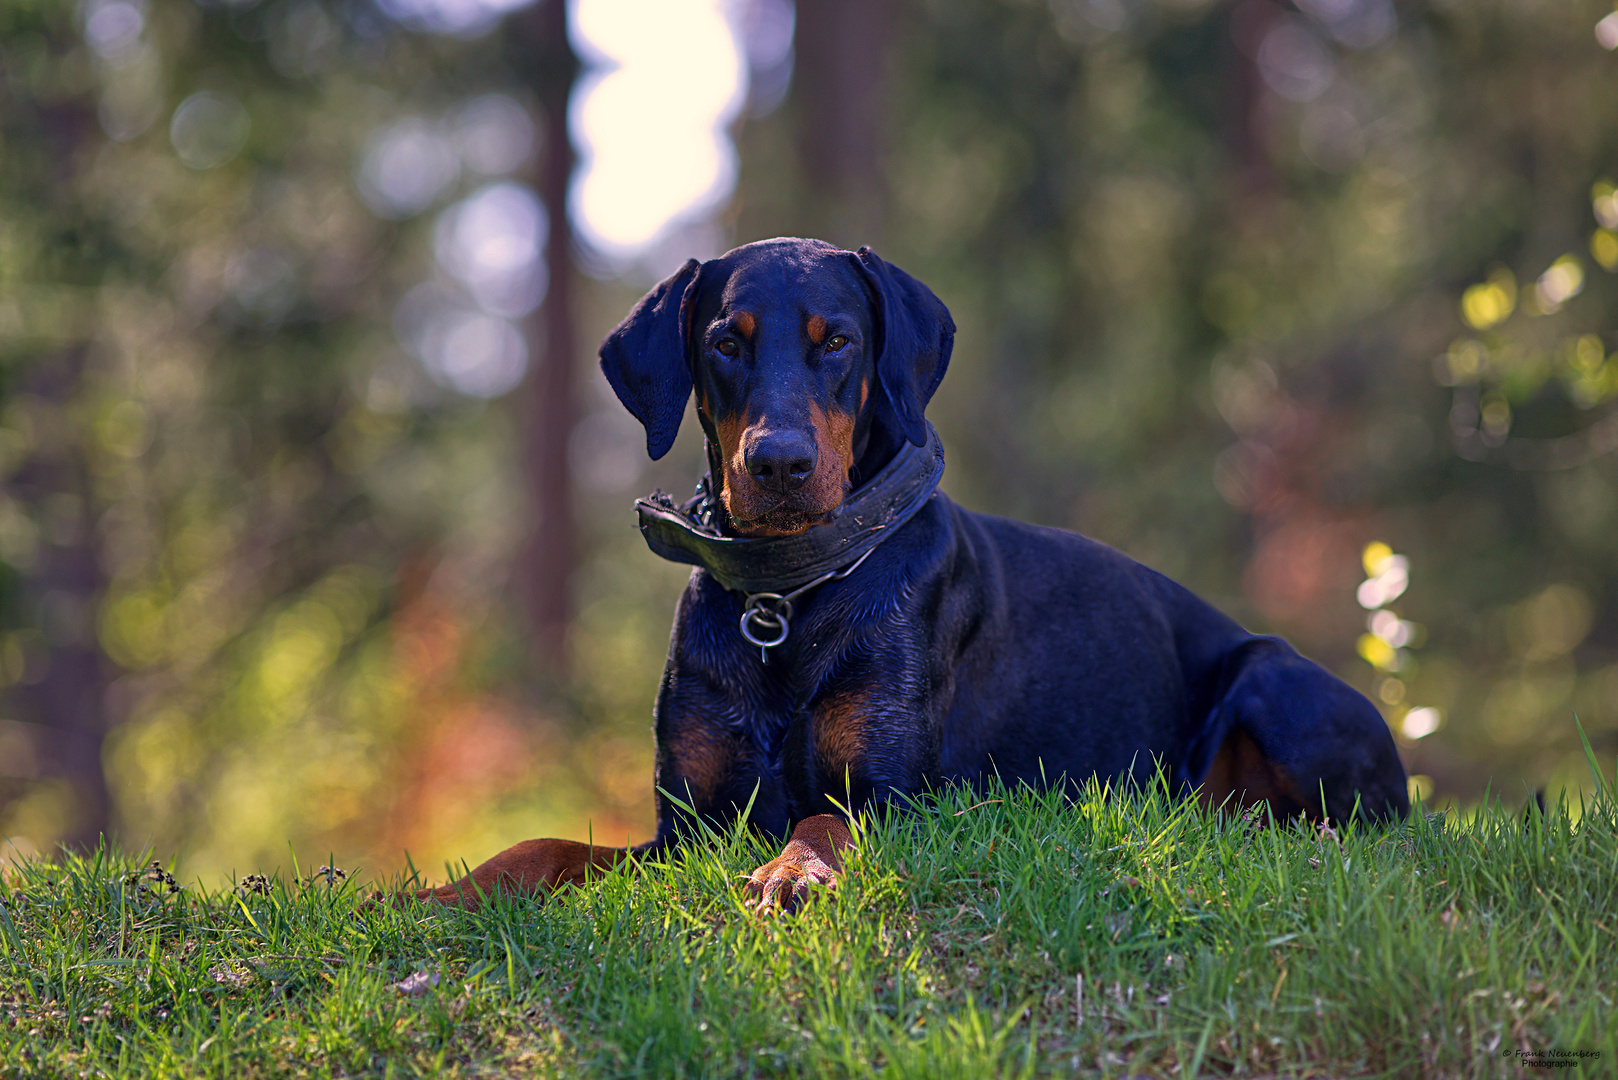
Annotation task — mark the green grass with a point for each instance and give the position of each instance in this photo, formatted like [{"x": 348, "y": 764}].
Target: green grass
[{"x": 957, "y": 946}]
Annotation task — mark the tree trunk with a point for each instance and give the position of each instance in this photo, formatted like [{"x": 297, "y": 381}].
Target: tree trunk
[
  {"x": 64, "y": 685},
  {"x": 840, "y": 97},
  {"x": 548, "y": 410}
]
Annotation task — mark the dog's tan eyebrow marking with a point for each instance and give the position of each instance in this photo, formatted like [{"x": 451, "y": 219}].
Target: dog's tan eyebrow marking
[
  {"x": 817, "y": 329},
  {"x": 744, "y": 323}
]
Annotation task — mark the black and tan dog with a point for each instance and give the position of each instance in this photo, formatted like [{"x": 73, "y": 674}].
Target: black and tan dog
[{"x": 960, "y": 647}]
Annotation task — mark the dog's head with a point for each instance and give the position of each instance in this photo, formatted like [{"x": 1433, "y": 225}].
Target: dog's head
[{"x": 810, "y": 363}]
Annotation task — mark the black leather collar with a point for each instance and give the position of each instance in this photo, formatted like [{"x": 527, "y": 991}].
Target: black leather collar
[{"x": 686, "y": 534}]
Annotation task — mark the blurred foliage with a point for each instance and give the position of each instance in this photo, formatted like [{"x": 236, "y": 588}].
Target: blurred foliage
[
  {"x": 299, "y": 538},
  {"x": 1248, "y": 288},
  {"x": 1245, "y": 289}
]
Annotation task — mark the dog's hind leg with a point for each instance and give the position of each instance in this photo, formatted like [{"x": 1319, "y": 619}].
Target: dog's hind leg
[
  {"x": 1290, "y": 734},
  {"x": 531, "y": 868}
]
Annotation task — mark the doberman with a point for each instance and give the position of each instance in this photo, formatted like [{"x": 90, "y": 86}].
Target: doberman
[{"x": 962, "y": 647}]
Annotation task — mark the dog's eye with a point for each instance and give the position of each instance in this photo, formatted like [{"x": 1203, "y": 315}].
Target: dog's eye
[
  {"x": 727, "y": 347},
  {"x": 836, "y": 343}
]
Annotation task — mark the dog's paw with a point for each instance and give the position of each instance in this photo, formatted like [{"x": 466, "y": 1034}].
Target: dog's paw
[
  {"x": 813, "y": 857},
  {"x": 783, "y": 884}
]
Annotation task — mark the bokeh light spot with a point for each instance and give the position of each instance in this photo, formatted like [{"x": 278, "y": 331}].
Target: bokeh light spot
[
  {"x": 493, "y": 241},
  {"x": 481, "y": 355},
  {"x": 132, "y": 93},
  {"x": 407, "y": 165},
  {"x": 1392, "y": 629},
  {"x": 209, "y": 129},
  {"x": 1604, "y": 203},
  {"x": 1375, "y": 558},
  {"x": 1359, "y": 24},
  {"x": 1377, "y": 652},
  {"x": 494, "y": 134},
  {"x": 1607, "y": 31},
  {"x": 1559, "y": 284},
  {"x": 1420, "y": 723},
  {"x": 1495, "y": 414},
  {"x": 461, "y": 18},
  {"x": 470, "y": 351},
  {"x": 1588, "y": 352},
  {"x": 262, "y": 283},
  {"x": 649, "y": 119},
  {"x": 1604, "y": 248},
  {"x": 1490, "y": 302},
  {"x": 1388, "y": 576},
  {"x": 112, "y": 28},
  {"x": 1293, "y": 62}
]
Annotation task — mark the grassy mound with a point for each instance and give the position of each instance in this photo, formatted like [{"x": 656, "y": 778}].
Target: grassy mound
[{"x": 1011, "y": 933}]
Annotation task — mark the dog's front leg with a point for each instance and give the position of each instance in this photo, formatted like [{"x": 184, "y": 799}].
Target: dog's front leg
[
  {"x": 814, "y": 856},
  {"x": 860, "y": 743}
]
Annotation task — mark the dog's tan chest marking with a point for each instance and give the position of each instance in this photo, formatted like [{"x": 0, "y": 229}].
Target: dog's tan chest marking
[
  {"x": 839, "y": 734},
  {"x": 701, "y": 760}
]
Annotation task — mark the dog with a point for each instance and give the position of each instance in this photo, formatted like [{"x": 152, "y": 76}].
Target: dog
[{"x": 931, "y": 644}]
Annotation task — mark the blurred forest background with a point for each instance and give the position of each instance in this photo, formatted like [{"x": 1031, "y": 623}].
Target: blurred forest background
[{"x": 316, "y": 528}]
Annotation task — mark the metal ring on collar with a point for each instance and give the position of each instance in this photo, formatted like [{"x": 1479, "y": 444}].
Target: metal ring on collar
[{"x": 766, "y": 620}]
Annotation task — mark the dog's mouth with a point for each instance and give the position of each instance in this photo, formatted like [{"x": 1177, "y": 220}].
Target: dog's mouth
[
  {"x": 783, "y": 520},
  {"x": 785, "y": 516}
]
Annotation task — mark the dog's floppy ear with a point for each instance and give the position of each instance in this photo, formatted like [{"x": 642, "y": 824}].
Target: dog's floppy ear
[
  {"x": 644, "y": 359},
  {"x": 917, "y": 335}
]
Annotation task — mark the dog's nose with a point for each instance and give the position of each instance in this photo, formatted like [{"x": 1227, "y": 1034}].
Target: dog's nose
[{"x": 782, "y": 461}]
